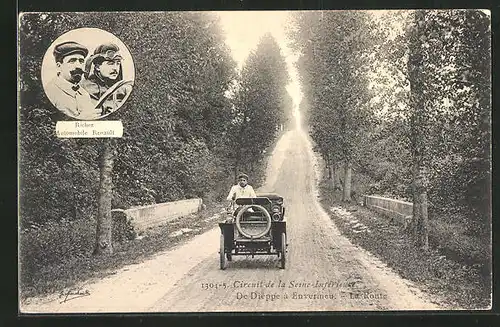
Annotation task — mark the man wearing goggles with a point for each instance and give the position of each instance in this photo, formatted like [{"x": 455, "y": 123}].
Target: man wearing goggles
[{"x": 103, "y": 72}]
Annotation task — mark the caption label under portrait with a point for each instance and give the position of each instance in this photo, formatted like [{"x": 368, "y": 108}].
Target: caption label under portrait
[{"x": 89, "y": 129}]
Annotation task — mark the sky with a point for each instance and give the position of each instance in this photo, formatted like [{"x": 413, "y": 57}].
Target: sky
[{"x": 243, "y": 30}]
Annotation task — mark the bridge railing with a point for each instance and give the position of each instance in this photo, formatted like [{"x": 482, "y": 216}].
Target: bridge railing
[
  {"x": 144, "y": 217},
  {"x": 398, "y": 211}
]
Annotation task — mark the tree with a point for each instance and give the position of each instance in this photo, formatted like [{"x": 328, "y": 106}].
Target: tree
[
  {"x": 104, "y": 241},
  {"x": 172, "y": 122},
  {"x": 422, "y": 94},
  {"x": 437, "y": 113},
  {"x": 54, "y": 173},
  {"x": 443, "y": 112},
  {"x": 184, "y": 112},
  {"x": 262, "y": 104},
  {"x": 418, "y": 127},
  {"x": 336, "y": 83}
]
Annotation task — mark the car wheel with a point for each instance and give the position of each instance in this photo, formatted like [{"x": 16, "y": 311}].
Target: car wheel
[
  {"x": 222, "y": 255},
  {"x": 266, "y": 215},
  {"x": 283, "y": 251}
]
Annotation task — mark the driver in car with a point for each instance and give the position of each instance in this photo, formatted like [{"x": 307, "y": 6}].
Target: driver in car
[{"x": 241, "y": 190}]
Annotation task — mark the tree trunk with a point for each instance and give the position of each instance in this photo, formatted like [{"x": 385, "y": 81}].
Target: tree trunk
[
  {"x": 346, "y": 196},
  {"x": 104, "y": 243},
  {"x": 416, "y": 204},
  {"x": 328, "y": 166},
  {"x": 235, "y": 169},
  {"x": 420, "y": 221},
  {"x": 423, "y": 226},
  {"x": 331, "y": 176},
  {"x": 418, "y": 122},
  {"x": 336, "y": 177}
]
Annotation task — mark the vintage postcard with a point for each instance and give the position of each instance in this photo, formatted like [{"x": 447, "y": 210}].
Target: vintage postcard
[{"x": 254, "y": 161}]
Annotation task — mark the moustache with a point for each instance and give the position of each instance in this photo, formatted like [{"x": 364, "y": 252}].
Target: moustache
[{"x": 77, "y": 71}]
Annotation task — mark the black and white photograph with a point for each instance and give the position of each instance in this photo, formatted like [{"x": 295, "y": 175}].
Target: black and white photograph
[
  {"x": 83, "y": 73},
  {"x": 270, "y": 161}
]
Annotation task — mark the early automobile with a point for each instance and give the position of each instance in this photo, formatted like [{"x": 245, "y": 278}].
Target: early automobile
[{"x": 256, "y": 227}]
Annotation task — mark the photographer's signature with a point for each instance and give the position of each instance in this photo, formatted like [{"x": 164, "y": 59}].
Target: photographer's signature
[{"x": 72, "y": 294}]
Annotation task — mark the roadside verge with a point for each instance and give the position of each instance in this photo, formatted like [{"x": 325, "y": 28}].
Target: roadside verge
[
  {"x": 459, "y": 285},
  {"x": 58, "y": 277}
]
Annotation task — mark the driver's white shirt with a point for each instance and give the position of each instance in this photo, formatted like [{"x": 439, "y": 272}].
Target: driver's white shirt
[{"x": 241, "y": 192}]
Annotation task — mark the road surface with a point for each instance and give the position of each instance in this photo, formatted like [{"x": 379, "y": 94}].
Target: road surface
[{"x": 324, "y": 272}]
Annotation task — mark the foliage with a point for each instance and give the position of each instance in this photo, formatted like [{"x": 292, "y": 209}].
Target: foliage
[
  {"x": 181, "y": 129},
  {"x": 455, "y": 88},
  {"x": 263, "y": 104},
  {"x": 335, "y": 74},
  {"x": 454, "y": 84},
  {"x": 58, "y": 254},
  {"x": 173, "y": 122},
  {"x": 52, "y": 243},
  {"x": 457, "y": 268},
  {"x": 334, "y": 66}
]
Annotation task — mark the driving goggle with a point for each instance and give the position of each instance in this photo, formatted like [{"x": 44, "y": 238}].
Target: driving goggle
[{"x": 111, "y": 55}]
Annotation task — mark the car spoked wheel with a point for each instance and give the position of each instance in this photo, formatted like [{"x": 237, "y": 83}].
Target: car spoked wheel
[
  {"x": 255, "y": 223},
  {"x": 283, "y": 251},
  {"x": 222, "y": 254}
]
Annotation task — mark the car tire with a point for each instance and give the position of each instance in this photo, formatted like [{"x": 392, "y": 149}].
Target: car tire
[
  {"x": 222, "y": 255},
  {"x": 260, "y": 208}
]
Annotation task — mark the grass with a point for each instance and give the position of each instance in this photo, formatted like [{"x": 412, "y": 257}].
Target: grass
[
  {"x": 57, "y": 256},
  {"x": 54, "y": 276},
  {"x": 456, "y": 242},
  {"x": 456, "y": 268}
]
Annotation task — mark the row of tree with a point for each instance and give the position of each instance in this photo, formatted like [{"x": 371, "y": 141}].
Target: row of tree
[
  {"x": 192, "y": 121},
  {"x": 404, "y": 99}
]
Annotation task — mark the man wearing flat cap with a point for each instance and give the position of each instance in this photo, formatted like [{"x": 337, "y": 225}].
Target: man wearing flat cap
[
  {"x": 104, "y": 78},
  {"x": 64, "y": 91},
  {"x": 242, "y": 189}
]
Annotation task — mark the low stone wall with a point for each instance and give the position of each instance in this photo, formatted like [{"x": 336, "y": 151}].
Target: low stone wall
[
  {"x": 399, "y": 211},
  {"x": 157, "y": 214}
]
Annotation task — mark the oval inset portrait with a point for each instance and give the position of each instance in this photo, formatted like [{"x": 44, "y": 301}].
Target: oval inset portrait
[{"x": 88, "y": 73}]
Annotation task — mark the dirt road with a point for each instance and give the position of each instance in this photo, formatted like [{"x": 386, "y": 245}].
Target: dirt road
[{"x": 324, "y": 270}]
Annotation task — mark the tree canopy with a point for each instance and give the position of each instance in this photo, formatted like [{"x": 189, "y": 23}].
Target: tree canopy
[
  {"x": 357, "y": 70},
  {"x": 262, "y": 102},
  {"x": 173, "y": 122}
]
